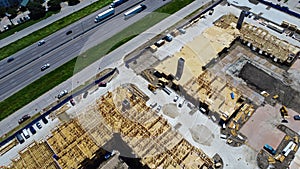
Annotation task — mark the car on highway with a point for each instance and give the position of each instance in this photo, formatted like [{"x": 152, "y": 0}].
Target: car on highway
[
  {"x": 38, "y": 125},
  {"x": 45, "y": 66},
  {"x": 10, "y": 59},
  {"x": 41, "y": 42},
  {"x": 69, "y": 32},
  {"x": 24, "y": 118},
  {"x": 62, "y": 94},
  {"x": 297, "y": 117}
]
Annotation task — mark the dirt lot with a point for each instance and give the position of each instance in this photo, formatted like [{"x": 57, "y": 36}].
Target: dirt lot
[
  {"x": 261, "y": 81},
  {"x": 261, "y": 127}
]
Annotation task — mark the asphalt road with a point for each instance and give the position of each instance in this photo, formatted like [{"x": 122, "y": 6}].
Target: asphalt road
[{"x": 60, "y": 48}]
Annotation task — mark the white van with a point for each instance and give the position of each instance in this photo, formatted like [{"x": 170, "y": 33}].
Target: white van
[
  {"x": 26, "y": 134},
  {"x": 181, "y": 102}
]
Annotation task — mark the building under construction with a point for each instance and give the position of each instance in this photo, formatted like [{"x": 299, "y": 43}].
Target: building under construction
[
  {"x": 261, "y": 41},
  {"x": 149, "y": 135},
  {"x": 72, "y": 146},
  {"x": 36, "y": 155},
  {"x": 213, "y": 93}
]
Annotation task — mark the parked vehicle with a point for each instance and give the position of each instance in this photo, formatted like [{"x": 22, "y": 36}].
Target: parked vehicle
[
  {"x": 181, "y": 102},
  {"x": 38, "y": 125},
  {"x": 159, "y": 43},
  {"x": 104, "y": 15},
  {"x": 102, "y": 84},
  {"x": 25, "y": 133},
  {"x": 297, "y": 117},
  {"x": 158, "y": 108},
  {"x": 152, "y": 105},
  {"x": 176, "y": 98},
  {"x": 134, "y": 11},
  {"x": 116, "y": 3},
  {"x": 20, "y": 138},
  {"x": 168, "y": 38},
  {"x": 24, "y": 118},
  {"x": 72, "y": 102},
  {"x": 269, "y": 149},
  {"x": 32, "y": 130},
  {"x": 62, "y": 93},
  {"x": 45, "y": 66},
  {"x": 45, "y": 121}
]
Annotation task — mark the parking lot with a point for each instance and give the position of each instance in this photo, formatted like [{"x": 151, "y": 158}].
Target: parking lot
[{"x": 40, "y": 134}]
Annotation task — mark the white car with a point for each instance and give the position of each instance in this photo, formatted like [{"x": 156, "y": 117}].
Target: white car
[
  {"x": 158, "y": 108},
  {"x": 62, "y": 93},
  {"x": 45, "y": 66},
  {"x": 41, "y": 42},
  {"x": 176, "y": 98}
]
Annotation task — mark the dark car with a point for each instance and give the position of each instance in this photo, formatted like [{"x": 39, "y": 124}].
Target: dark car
[
  {"x": 32, "y": 130},
  {"x": 102, "y": 84},
  {"x": 24, "y": 118},
  {"x": 45, "y": 121},
  {"x": 297, "y": 117},
  {"x": 69, "y": 32},
  {"x": 72, "y": 102},
  {"x": 38, "y": 125},
  {"x": 10, "y": 59},
  {"x": 45, "y": 66}
]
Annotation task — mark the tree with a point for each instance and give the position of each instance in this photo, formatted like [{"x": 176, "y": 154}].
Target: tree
[
  {"x": 2, "y": 12},
  {"x": 73, "y": 2},
  {"x": 37, "y": 11},
  {"x": 54, "y": 5}
]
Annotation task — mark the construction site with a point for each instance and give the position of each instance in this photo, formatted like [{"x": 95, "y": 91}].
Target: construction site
[
  {"x": 36, "y": 155},
  {"x": 227, "y": 73},
  {"x": 149, "y": 135},
  {"x": 82, "y": 142},
  {"x": 231, "y": 72}
]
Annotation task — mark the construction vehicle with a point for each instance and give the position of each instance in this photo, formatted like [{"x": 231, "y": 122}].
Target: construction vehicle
[
  {"x": 276, "y": 96},
  {"x": 152, "y": 88},
  {"x": 283, "y": 111}
]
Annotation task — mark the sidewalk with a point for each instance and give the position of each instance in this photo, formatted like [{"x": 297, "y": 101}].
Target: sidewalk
[{"x": 65, "y": 11}]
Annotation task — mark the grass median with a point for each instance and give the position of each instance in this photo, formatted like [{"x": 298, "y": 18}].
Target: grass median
[
  {"x": 22, "y": 43},
  {"x": 54, "y": 78}
]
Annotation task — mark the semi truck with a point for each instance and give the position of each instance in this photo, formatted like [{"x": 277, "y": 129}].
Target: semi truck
[
  {"x": 104, "y": 14},
  {"x": 134, "y": 10},
  {"x": 116, "y": 3}
]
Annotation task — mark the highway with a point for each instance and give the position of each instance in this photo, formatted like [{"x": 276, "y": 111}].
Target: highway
[{"x": 60, "y": 48}]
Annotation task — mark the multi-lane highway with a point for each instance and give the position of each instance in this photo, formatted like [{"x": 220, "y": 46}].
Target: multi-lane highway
[{"x": 60, "y": 47}]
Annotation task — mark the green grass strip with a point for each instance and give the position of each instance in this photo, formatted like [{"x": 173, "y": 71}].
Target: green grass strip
[
  {"x": 54, "y": 78},
  {"x": 19, "y": 27},
  {"x": 22, "y": 43}
]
